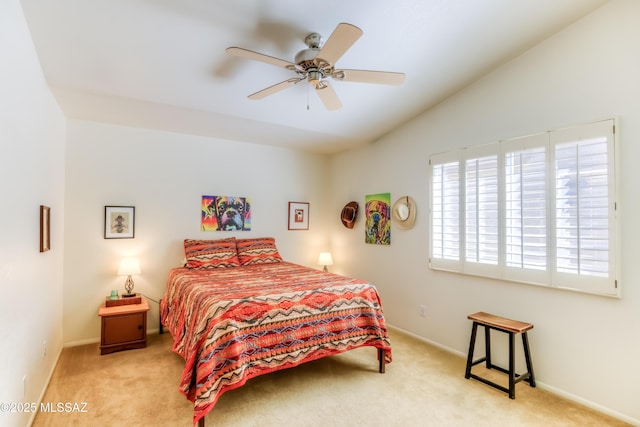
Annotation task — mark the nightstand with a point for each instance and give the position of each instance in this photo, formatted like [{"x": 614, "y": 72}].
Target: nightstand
[{"x": 123, "y": 327}]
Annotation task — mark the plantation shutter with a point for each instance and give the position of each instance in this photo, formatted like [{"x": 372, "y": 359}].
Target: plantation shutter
[
  {"x": 584, "y": 207},
  {"x": 526, "y": 209},
  {"x": 482, "y": 214},
  {"x": 445, "y": 211}
]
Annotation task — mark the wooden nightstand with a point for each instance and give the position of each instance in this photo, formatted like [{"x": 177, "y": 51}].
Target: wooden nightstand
[{"x": 123, "y": 327}]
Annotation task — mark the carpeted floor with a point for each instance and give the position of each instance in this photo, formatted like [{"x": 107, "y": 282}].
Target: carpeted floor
[{"x": 423, "y": 386}]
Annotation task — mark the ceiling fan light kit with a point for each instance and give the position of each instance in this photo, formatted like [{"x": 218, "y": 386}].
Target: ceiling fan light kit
[{"x": 317, "y": 63}]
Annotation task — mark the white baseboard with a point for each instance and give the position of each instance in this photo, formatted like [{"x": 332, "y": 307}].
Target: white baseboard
[
  {"x": 81, "y": 342},
  {"x": 588, "y": 403},
  {"x": 433, "y": 343},
  {"x": 45, "y": 386}
]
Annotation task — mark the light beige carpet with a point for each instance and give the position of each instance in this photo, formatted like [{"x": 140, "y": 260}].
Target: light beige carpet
[{"x": 423, "y": 386}]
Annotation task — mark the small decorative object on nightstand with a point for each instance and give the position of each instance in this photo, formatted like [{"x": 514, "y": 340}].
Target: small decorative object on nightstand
[{"x": 123, "y": 327}]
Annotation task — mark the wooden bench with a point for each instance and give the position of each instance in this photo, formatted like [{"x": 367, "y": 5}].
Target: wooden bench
[{"x": 510, "y": 327}]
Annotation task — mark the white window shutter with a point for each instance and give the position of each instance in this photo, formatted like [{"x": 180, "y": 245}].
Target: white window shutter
[
  {"x": 584, "y": 210},
  {"x": 482, "y": 211},
  {"x": 526, "y": 209},
  {"x": 445, "y": 211}
]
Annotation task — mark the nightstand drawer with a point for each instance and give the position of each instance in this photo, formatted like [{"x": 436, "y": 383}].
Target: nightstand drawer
[{"x": 123, "y": 328}]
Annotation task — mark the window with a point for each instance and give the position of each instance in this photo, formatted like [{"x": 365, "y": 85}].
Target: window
[{"x": 538, "y": 209}]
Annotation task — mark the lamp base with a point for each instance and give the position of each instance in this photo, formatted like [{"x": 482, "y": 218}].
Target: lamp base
[{"x": 128, "y": 295}]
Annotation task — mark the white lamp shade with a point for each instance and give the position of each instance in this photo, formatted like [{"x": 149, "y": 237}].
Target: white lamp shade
[
  {"x": 325, "y": 258},
  {"x": 128, "y": 267}
]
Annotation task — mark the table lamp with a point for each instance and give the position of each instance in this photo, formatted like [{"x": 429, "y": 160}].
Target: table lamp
[
  {"x": 129, "y": 267},
  {"x": 325, "y": 259}
]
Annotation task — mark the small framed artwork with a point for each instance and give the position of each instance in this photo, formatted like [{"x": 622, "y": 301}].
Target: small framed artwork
[
  {"x": 119, "y": 222},
  {"x": 45, "y": 223},
  {"x": 298, "y": 216}
]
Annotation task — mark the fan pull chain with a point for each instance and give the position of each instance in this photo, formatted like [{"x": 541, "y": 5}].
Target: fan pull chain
[{"x": 308, "y": 97}]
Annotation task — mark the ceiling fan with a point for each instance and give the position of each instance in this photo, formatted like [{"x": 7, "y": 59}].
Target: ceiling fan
[{"x": 316, "y": 63}]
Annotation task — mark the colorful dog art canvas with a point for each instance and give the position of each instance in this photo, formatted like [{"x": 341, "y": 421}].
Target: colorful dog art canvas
[
  {"x": 226, "y": 213},
  {"x": 377, "y": 216}
]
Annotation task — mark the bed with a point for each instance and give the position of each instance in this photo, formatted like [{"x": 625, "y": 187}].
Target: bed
[{"x": 237, "y": 310}]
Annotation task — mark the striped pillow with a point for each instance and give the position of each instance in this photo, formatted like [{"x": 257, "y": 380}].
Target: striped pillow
[
  {"x": 211, "y": 253},
  {"x": 258, "y": 251}
]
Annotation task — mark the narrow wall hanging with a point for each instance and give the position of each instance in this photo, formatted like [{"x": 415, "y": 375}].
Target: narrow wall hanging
[
  {"x": 377, "y": 227},
  {"x": 45, "y": 223}
]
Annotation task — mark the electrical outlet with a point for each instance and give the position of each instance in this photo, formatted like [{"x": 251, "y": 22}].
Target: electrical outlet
[
  {"x": 44, "y": 348},
  {"x": 423, "y": 310}
]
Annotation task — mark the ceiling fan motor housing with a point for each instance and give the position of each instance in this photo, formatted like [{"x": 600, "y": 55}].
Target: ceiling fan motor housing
[
  {"x": 305, "y": 58},
  {"x": 310, "y": 67}
]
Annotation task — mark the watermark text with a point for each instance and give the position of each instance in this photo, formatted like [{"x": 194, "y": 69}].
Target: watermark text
[{"x": 66, "y": 407}]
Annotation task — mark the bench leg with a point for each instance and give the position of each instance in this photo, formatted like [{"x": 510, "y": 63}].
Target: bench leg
[
  {"x": 527, "y": 356},
  {"x": 487, "y": 346},
  {"x": 512, "y": 367},
  {"x": 472, "y": 344}
]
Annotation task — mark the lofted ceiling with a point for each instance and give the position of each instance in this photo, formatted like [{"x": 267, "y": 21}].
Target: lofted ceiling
[{"x": 162, "y": 64}]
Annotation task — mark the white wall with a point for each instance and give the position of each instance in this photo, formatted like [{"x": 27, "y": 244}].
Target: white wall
[
  {"x": 164, "y": 175},
  {"x": 584, "y": 346},
  {"x": 31, "y": 174}
]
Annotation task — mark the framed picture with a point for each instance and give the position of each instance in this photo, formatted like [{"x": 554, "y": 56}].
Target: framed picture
[
  {"x": 298, "y": 216},
  {"x": 225, "y": 213},
  {"x": 377, "y": 217},
  {"x": 119, "y": 222},
  {"x": 45, "y": 223}
]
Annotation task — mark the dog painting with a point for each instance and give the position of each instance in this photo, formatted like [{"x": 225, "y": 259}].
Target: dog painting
[
  {"x": 226, "y": 213},
  {"x": 377, "y": 226}
]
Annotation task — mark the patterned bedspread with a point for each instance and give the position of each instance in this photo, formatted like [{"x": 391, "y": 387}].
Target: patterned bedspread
[{"x": 233, "y": 324}]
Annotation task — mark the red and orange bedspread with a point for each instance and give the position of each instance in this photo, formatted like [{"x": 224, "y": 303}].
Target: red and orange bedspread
[{"x": 233, "y": 324}]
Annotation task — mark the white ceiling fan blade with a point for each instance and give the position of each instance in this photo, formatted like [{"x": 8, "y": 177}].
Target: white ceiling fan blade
[
  {"x": 249, "y": 54},
  {"x": 328, "y": 96},
  {"x": 342, "y": 38},
  {"x": 366, "y": 76},
  {"x": 275, "y": 88}
]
